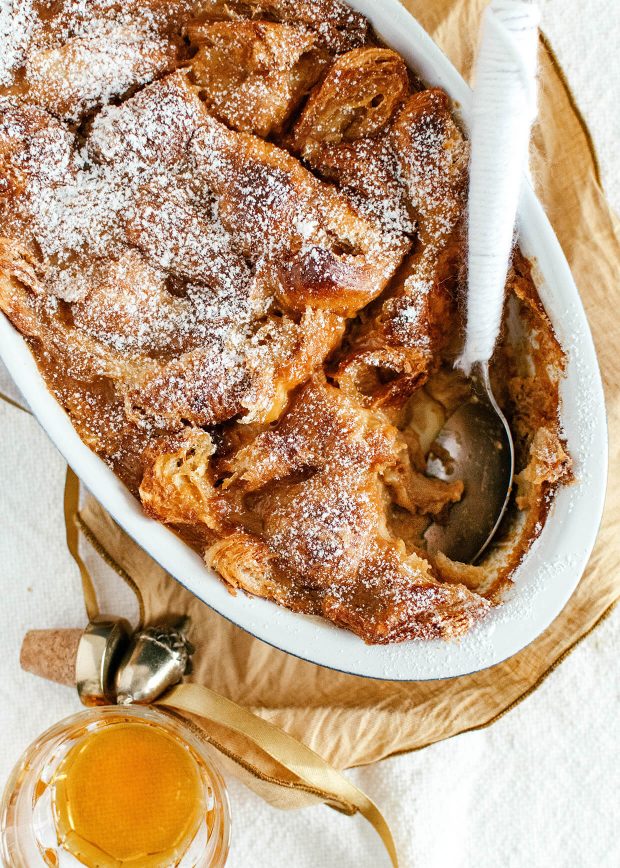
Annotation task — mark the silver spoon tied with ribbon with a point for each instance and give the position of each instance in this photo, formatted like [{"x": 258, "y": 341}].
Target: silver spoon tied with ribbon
[{"x": 477, "y": 435}]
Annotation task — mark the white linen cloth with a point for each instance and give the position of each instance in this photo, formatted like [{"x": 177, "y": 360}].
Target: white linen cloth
[
  {"x": 503, "y": 110},
  {"x": 538, "y": 789}
]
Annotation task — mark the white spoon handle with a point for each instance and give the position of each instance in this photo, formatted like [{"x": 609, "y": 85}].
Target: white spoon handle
[{"x": 504, "y": 108}]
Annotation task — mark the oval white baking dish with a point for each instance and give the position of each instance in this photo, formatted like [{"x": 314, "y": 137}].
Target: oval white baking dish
[{"x": 551, "y": 570}]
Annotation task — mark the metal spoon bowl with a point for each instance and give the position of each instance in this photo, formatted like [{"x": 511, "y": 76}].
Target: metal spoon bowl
[{"x": 477, "y": 439}]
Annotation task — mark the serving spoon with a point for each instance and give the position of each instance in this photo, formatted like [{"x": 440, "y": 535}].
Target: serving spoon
[{"x": 475, "y": 445}]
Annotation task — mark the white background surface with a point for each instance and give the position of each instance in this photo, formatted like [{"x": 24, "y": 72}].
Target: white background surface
[{"x": 539, "y": 788}]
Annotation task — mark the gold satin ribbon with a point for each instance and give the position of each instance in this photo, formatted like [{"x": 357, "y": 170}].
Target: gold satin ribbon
[
  {"x": 313, "y": 771},
  {"x": 71, "y": 507},
  {"x": 13, "y": 403},
  {"x": 315, "y": 775}
]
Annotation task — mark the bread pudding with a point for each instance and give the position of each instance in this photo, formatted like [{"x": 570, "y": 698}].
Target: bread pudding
[{"x": 232, "y": 233}]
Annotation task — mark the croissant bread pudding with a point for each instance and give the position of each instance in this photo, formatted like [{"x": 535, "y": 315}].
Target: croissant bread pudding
[{"x": 232, "y": 233}]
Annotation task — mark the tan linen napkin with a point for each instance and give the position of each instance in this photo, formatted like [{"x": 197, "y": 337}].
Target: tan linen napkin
[{"x": 352, "y": 721}]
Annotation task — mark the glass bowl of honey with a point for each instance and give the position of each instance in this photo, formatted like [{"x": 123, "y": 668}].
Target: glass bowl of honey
[{"x": 116, "y": 786}]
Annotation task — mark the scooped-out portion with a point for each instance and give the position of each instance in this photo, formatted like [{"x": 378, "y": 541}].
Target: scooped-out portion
[{"x": 232, "y": 234}]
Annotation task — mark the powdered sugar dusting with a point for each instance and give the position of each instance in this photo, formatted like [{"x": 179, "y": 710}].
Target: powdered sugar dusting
[
  {"x": 17, "y": 23},
  {"x": 88, "y": 72}
]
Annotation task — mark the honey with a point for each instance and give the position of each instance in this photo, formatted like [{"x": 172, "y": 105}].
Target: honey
[
  {"x": 116, "y": 787},
  {"x": 128, "y": 794}
]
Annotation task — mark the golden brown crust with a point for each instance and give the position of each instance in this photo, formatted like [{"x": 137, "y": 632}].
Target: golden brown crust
[
  {"x": 337, "y": 27},
  {"x": 232, "y": 234},
  {"x": 177, "y": 484},
  {"x": 356, "y": 100},
  {"x": 253, "y": 74},
  {"x": 317, "y": 249},
  {"x": 74, "y": 78},
  {"x": 396, "y": 348}
]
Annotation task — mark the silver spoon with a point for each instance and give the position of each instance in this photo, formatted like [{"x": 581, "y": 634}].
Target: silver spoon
[
  {"x": 478, "y": 440},
  {"x": 477, "y": 436}
]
